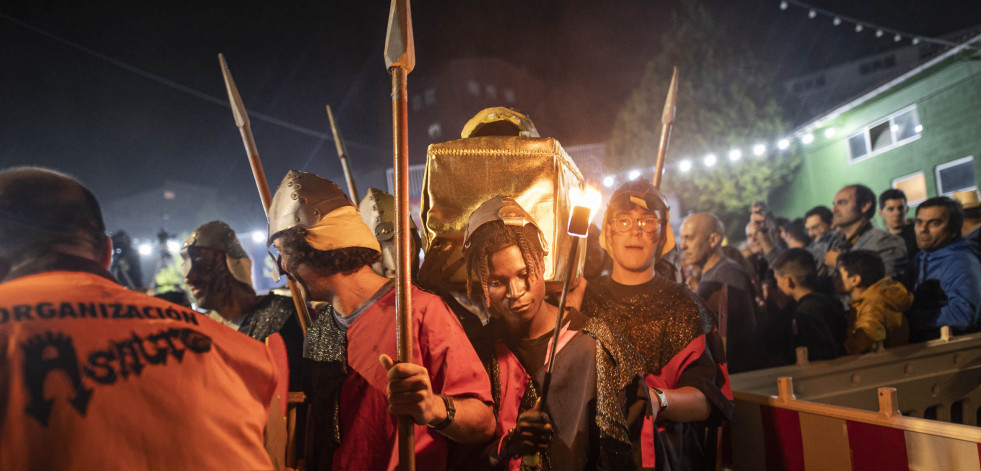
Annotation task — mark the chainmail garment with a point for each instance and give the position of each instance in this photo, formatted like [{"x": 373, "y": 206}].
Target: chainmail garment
[
  {"x": 325, "y": 349},
  {"x": 659, "y": 318},
  {"x": 617, "y": 365},
  {"x": 269, "y": 315}
]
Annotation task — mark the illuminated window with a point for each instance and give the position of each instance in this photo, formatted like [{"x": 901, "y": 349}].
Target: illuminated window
[{"x": 913, "y": 186}]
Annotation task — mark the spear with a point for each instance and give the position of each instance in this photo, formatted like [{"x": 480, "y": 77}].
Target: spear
[
  {"x": 342, "y": 154},
  {"x": 667, "y": 120},
  {"x": 400, "y": 58},
  {"x": 242, "y": 121}
]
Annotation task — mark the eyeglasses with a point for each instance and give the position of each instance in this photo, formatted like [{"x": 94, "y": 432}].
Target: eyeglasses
[{"x": 648, "y": 224}]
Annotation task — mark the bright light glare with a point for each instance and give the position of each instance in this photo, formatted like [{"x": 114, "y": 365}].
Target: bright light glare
[
  {"x": 807, "y": 138},
  {"x": 759, "y": 149},
  {"x": 608, "y": 181},
  {"x": 684, "y": 165},
  {"x": 783, "y": 144},
  {"x": 919, "y": 128},
  {"x": 145, "y": 248},
  {"x": 812, "y": 14},
  {"x": 709, "y": 160},
  {"x": 633, "y": 174},
  {"x": 830, "y": 132},
  {"x": 589, "y": 198},
  {"x": 735, "y": 154},
  {"x": 258, "y": 236},
  {"x": 895, "y": 128},
  {"x": 173, "y": 246}
]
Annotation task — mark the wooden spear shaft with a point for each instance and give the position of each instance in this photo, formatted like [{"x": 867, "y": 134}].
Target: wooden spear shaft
[
  {"x": 400, "y": 59},
  {"x": 667, "y": 120},
  {"x": 242, "y": 121},
  {"x": 342, "y": 154}
]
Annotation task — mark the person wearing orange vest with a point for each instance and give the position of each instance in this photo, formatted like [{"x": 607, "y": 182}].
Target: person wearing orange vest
[
  {"x": 94, "y": 376},
  {"x": 326, "y": 247}
]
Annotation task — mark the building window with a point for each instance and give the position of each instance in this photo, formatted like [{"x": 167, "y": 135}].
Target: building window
[
  {"x": 898, "y": 129},
  {"x": 956, "y": 175},
  {"x": 430, "y": 97},
  {"x": 491, "y": 92},
  {"x": 509, "y": 96},
  {"x": 913, "y": 186},
  {"x": 435, "y": 131},
  {"x": 416, "y": 103},
  {"x": 473, "y": 87}
]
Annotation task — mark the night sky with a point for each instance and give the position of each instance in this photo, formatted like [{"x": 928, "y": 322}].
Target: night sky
[{"x": 126, "y": 95}]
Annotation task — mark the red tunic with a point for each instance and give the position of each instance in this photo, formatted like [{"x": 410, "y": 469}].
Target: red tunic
[{"x": 368, "y": 430}]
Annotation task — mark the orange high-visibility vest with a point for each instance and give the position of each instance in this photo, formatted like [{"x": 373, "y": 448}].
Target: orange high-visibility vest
[{"x": 94, "y": 376}]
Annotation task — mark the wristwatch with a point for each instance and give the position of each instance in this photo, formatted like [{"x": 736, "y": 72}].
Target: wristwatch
[
  {"x": 661, "y": 398},
  {"x": 450, "y": 413}
]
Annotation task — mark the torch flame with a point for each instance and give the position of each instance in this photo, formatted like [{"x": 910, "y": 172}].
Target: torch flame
[{"x": 589, "y": 197}]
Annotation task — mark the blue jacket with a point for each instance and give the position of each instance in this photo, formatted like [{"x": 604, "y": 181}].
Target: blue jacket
[{"x": 947, "y": 288}]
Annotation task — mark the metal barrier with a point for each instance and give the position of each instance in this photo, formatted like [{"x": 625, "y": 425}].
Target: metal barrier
[{"x": 863, "y": 411}]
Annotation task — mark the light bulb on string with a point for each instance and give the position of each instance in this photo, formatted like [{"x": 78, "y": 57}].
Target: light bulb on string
[
  {"x": 836, "y": 21},
  {"x": 783, "y": 5},
  {"x": 812, "y": 14},
  {"x": 859, "y": 28}
]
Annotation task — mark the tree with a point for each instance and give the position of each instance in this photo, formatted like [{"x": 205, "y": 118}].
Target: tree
[{"x": 726, "y": 99}]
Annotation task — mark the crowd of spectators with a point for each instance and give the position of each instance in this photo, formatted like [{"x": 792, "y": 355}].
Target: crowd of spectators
[{"x": 831, "y": 281}]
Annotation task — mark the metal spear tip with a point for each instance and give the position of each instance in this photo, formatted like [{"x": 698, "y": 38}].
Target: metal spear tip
[
  {"x": 669, "y": 104},
  {"x": 400, "y": 49},
  {"x": 238, "y": 108}
]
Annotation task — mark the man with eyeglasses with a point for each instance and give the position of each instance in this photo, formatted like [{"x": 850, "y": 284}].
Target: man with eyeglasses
[{"x": 667, "y": 324}]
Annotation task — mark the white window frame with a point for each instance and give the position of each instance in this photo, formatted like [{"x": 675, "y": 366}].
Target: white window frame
[
  {"x": 946, "y": 165},
  {"x": 895, "y": 142}
]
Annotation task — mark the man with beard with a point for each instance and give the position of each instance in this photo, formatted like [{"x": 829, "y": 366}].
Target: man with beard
[
  {"x": 358, "y": 390},
  {"x": 945, "y": 275},
  {"x": 853, "y": 209},
  {"x": 217, "y": 270},
  {"x": 669, "y": 326}
]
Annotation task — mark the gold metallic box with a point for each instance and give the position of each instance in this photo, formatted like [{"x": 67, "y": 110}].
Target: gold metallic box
[{"x": 535, "y": 171}]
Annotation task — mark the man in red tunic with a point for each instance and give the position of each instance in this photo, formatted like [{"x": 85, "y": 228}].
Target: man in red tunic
[
  {"x": 357, "y": 389},
  {"x": 670, "y": 327}
]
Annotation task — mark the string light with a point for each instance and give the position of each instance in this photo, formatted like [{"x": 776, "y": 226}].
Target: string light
[
  {"x": 735, "y": 154},
  {"x": 783, "y": 144},
  {"x": 836, "y": 19},
  {"x": 608, "y": 181},
  {"x": 709, "y": 160},
  {"x": 807, "y": 138},
  {"x": 759, "y": 149},
  {"x": 633, "y": 174},
  {"x": 684, "y": 165}
]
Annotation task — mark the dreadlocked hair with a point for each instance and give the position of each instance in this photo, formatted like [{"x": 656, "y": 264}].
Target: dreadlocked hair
[{"x": 494, "y": 236}]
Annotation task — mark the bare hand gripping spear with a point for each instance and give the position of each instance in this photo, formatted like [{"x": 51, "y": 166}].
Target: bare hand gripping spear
[
  {"x": 400, "y": 58},
  {"x": 242, "y": 121}
]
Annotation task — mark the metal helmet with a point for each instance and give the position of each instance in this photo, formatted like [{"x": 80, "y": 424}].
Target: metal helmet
[
  {"x": 216, "y": 235},
  {"x": 377, "y": 210},
  {"x": 641, "y": 193},
  {"x": 499, "y": 121},
  {"x": 505, "y": 209},
  {"x": 301, "y": 200}
]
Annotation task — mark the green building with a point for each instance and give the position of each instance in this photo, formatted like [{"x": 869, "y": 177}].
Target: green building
[{"x": 919, "y": 132}]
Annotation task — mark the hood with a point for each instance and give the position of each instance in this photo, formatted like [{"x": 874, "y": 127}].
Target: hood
[
  {"x": 960, "y": 247},
  {"x": 889, "y": 292}
]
